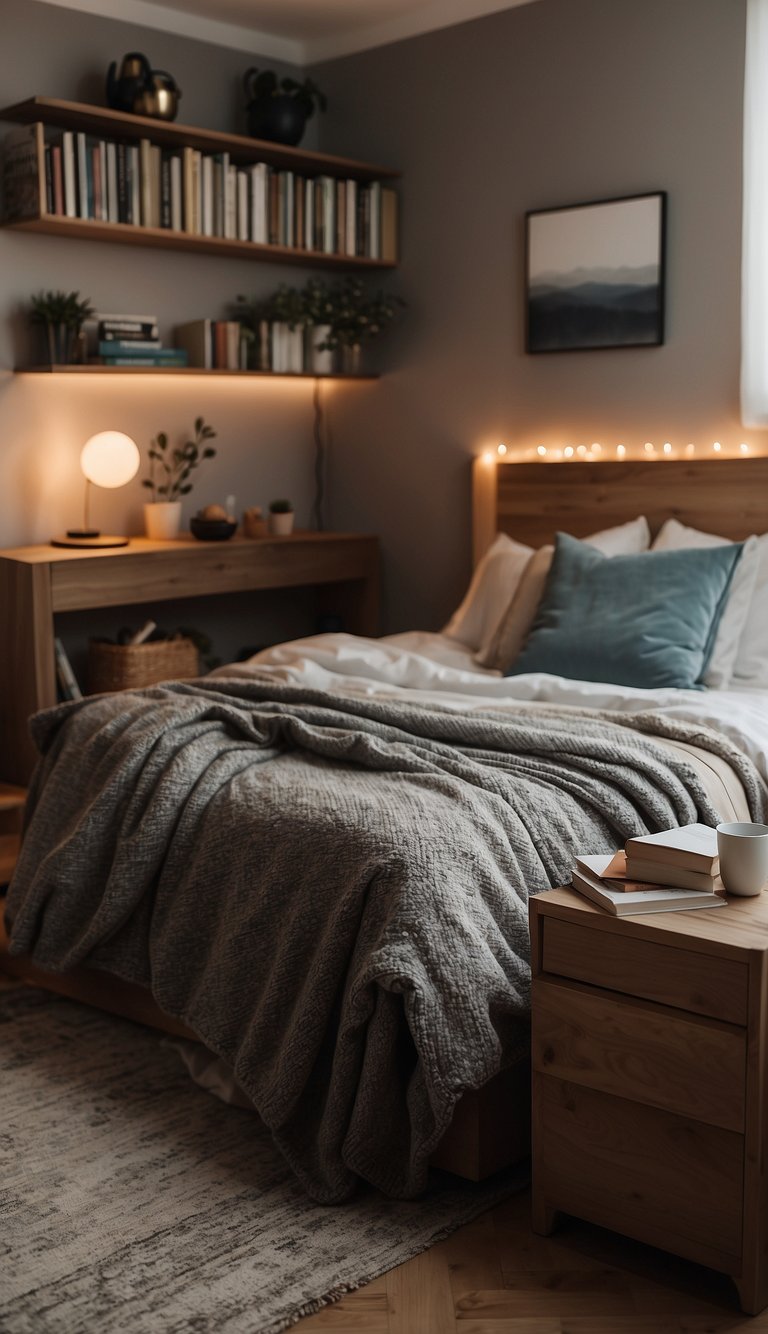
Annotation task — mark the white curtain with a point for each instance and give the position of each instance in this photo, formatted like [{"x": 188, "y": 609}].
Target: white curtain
[{"x": 754, "y": 260}]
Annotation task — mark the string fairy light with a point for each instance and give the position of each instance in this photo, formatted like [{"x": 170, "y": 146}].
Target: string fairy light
[{"x": 591, "y": 453}]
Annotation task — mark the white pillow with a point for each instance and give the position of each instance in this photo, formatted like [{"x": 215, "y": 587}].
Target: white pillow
[
  {"x": 731, "y": 655},
  {"x": 503, "y": 645},
  {"x": 500, "y": 570},
  {"x": 496, "y": 577}
]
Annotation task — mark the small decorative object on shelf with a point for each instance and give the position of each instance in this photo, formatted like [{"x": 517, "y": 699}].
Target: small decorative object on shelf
[
  {"x": 141, "y": 90},
  {"x": 213, "y": 523},
  {"x": 162, "y": 515},
  {"x": 280, "y": 518},
  {"x": 254, "y": 523},
  {"x": 61, "y": 315},
  {"x": 278, "y": 109}
]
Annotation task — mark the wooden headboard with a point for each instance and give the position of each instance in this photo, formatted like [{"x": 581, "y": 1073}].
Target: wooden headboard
[{"x": 532, "y": 501}]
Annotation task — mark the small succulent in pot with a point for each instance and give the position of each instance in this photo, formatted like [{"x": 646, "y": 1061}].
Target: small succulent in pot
[
  {"x": 280, "y": 518},
  {"x": 62, "y": 316},
  {"x": 278, "y": 109}
]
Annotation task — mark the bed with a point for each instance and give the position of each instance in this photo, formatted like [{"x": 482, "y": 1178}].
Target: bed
[{"x": 174, "y": 953}]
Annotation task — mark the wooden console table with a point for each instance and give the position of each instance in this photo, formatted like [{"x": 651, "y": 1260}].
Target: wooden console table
[{"x": 38, "y": 582}]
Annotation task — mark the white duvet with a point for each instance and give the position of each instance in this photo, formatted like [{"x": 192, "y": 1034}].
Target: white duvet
[{"x": 431, "y": 667}]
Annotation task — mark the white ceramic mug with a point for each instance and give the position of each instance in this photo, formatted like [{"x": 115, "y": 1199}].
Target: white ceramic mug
[{"x": 743, "y": 852}]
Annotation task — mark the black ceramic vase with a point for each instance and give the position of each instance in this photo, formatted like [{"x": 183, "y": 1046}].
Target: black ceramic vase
[{"x": 280, "y": 119}]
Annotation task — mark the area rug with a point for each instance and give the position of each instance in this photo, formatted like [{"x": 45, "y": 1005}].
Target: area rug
[{"x": 130, "y": 1199}]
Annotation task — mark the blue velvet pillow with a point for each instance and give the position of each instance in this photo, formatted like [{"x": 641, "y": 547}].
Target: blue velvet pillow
[{"x": 647, "y": 620}]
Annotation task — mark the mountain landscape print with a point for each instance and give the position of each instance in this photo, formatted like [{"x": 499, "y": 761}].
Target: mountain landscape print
[{"x": 595, "y": 275}]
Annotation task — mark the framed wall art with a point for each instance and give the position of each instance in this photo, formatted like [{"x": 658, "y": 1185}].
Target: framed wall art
[{"x": 595, "y": 275}]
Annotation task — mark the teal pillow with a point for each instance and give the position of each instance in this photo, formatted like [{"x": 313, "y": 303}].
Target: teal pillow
[{"x": 647, "y": 620}]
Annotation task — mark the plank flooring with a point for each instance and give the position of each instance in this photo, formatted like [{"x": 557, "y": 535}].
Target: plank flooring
[{"x": 494, "y": 1276}]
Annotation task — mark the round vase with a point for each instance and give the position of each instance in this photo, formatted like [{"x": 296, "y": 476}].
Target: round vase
[
  {"x": 279, "y": 119},
  {"x": 162, "y": 519},
  {"x": 280, "y": 525}
]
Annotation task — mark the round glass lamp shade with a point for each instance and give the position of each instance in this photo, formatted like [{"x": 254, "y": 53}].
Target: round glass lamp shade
[{"x": 110, "y": 459}]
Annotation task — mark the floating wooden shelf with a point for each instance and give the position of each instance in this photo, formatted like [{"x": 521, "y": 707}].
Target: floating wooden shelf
[
  {"x": 184, "y": 370},
  {"x": 124, "y": 233},
  {"x": 102, "y": 121}
]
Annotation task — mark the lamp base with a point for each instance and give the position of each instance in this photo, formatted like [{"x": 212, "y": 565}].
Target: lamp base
[{"x": 88, "y": 538}]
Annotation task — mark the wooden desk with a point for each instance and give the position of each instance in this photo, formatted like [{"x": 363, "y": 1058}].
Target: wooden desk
[
  {"x": 37, "y": 582},
  {"x": 650, "y": 1058}
]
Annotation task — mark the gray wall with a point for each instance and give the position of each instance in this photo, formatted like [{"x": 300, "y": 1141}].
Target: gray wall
[
  {"x": 265, "y": 435},
  {"x": 553, "y": 103}
]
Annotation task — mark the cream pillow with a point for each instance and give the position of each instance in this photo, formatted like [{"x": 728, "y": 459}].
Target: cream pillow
[
  {"x": 505, "y": 642},
  {"x": 495, "y": 578},
  {"x": 741, "y": 646}
]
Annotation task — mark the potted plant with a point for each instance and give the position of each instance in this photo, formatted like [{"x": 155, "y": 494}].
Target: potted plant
[
  {"x": 169, "y": 473},
  {"x": 280, "y": 518},
  {"x": 278, "y": 109},
  {"x": 357, "y": 316},
  {"x": 319, "y": 354},
  {"x": 62, "y": 316}
]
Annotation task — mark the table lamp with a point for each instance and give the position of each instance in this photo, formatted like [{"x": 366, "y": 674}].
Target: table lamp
[{"x": 109, "y": 459}]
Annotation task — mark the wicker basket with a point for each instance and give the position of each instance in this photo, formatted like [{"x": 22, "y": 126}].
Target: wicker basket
[{"x": 131, "y": 666}]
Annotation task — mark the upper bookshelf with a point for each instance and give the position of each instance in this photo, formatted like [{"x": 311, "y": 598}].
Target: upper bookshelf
[{"x": 304, "y": 225}]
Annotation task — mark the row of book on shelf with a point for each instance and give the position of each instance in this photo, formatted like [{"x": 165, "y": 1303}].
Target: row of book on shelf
[
  {"x": 669, "y": 871},
  {"x": 205, "y": 344},
  {"x": 202, "y": 194}
]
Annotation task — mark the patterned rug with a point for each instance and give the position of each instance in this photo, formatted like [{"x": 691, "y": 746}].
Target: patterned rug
[{"x": 131, "y": 1200}]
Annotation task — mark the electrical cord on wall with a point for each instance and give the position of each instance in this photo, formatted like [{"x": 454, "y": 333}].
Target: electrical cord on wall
[{"x": 319, "y": 434}]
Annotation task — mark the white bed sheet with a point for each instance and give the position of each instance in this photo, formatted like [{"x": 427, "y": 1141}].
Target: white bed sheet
[{"x": 430, "y": 667}]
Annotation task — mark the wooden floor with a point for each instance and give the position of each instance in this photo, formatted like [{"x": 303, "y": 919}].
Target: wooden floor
[{"x": 494, "y": 1276}]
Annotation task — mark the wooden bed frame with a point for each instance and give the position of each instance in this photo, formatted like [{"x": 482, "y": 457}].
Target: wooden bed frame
[{"x": 530, "y": 502}]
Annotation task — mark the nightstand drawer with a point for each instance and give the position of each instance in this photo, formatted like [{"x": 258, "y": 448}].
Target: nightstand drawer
[
  {"x": 652, "y": 1054},
  {"x": 686, "y": 979},
  {"x": 663, "y": 1179}
]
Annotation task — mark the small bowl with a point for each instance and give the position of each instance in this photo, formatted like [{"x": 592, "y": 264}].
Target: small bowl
[{"x": 212, "y": 530}]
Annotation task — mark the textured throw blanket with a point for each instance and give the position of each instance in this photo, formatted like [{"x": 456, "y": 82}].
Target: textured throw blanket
[{"x": 331, "y": 891}]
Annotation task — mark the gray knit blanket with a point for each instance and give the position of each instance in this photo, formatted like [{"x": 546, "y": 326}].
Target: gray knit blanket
[{"x": 332, "y": 891}]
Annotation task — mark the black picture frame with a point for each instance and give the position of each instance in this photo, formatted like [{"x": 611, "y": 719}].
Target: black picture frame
[{"x": 595, "y": 274}]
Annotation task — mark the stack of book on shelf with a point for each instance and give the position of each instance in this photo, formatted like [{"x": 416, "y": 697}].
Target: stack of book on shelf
[
  {"x": 673, "y": 870},
  {"x": 213, "y": 344},
  {"x": 203, "y": 194},
  {"x": 130, "y": 340}
]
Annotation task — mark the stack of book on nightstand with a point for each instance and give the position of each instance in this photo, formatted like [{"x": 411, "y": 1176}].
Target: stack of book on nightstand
[{"x": 676, "y": 869}]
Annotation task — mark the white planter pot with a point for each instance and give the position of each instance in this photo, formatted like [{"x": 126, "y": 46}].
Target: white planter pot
[
  {"x": 162, "y": 519},
  {"x": 280, "y": 525},
  {"x": 315, "y": 361}
]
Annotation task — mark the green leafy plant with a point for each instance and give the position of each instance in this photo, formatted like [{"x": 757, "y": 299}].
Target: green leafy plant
[
  {"x": 280, "y": 507},
  {"x": 63, "y": 308},
  {"x": 175, "y": 466},
  {"x": 264, "y": 84},
  {"x": 357, "y": 314}
]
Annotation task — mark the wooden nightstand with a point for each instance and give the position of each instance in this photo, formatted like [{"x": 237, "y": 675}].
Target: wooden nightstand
[{"x": 650, "y": 1057}]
